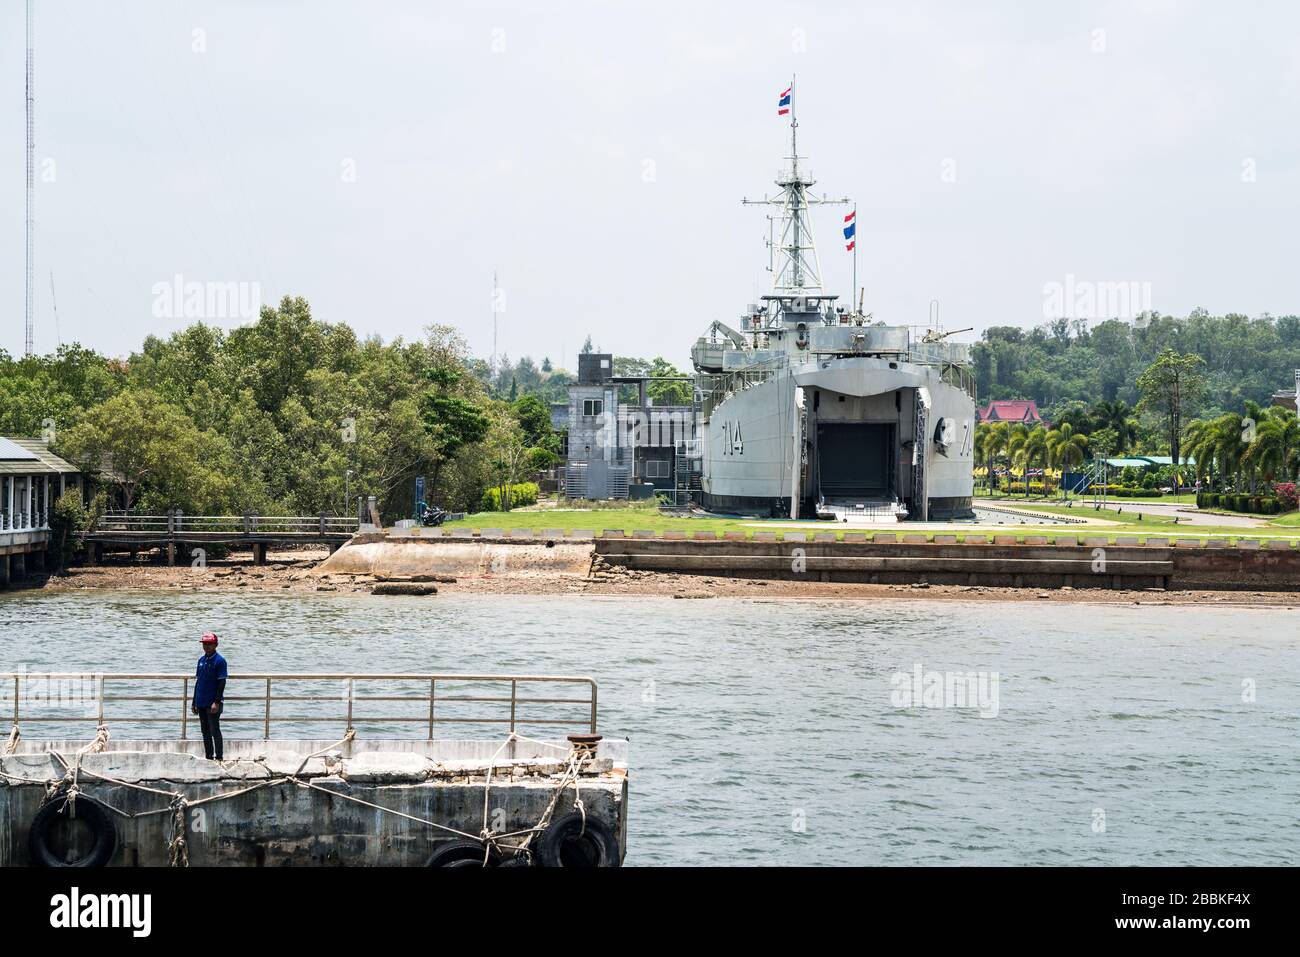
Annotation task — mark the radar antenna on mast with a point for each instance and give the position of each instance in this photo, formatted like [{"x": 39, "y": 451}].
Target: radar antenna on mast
[{"x": 795, "y": 266}]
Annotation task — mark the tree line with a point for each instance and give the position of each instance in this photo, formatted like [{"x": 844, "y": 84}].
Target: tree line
[
  {"x": 1231, "y": 451},
  {"x": 1068, "y": 362},
  {"x": 291, "y": 415}
]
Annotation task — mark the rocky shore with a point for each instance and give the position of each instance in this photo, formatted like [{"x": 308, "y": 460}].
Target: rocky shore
[{"x": 297, "y": 573}]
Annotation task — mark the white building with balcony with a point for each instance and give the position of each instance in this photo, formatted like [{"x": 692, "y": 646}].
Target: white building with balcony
[{"x": 31, "y": 480}]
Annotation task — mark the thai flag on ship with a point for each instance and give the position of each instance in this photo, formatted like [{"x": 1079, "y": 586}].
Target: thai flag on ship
[
  {"x": 783, "y": 104},
  {"x": 850, "y": 229}
]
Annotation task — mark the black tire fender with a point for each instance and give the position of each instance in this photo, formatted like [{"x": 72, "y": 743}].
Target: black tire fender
[
  {"x": 462, "y": 853},
  {"x": 576, "y": 840},
  {"x": 85, "y": 809}
]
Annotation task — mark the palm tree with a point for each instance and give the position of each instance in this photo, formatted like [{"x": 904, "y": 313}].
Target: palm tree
[
  {"x": 1017, "y": 435},
  {"x": 1117, "y": 416},
  {"x": 990, "y": 442},
  {"x": 1227, "y": 448},
  {"x": 1027, "y": 446},
  {"x": 1276, "y": 449},
  {"x": 1249, "y": 431},
  {"x": 1199, "y": 446},
  {"x": 1065, "y": 447}
]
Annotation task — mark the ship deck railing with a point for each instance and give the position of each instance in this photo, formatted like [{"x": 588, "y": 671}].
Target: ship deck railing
[{"x": 300, "y": 705}]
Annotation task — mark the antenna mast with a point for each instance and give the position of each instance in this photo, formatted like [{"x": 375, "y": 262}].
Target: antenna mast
[
  {"x": 30, "y": 327},
  {"x": 795, "y": 266}
]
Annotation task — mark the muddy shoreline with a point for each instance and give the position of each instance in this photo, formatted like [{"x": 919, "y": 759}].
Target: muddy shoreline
[{"x": 295, "y": 573}]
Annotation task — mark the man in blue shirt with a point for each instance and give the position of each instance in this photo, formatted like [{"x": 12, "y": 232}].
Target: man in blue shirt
[{"x": 209, "y": 692}]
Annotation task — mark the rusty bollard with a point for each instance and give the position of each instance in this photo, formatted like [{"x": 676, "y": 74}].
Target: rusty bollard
[{"x": 584, "y": 745}]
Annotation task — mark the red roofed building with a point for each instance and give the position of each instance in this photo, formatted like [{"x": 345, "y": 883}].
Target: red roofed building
[{"x": 1023, "y": 411}]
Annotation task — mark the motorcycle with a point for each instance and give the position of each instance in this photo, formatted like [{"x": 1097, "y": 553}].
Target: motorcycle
[{"x": 431, "y": 515}]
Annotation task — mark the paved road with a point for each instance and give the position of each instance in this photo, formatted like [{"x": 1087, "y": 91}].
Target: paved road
[{"x": 1186, "y": 514}]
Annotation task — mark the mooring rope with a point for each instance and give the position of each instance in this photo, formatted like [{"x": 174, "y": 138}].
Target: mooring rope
[
  {"x": 178, "y": 804},
  {"x": 491, "y": 839},
  {"x": 178, "y": 851}
]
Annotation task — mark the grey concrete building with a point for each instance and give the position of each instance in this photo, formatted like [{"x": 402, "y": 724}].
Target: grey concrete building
[
  {"x": 1287, "y": 398},
  {"x": 621, "y": 446}
]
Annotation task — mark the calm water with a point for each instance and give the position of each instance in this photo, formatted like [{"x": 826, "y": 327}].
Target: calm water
[{"x": 764, "y": 732}]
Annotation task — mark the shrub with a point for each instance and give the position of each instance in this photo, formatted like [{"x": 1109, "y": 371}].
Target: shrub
[
  {"x": 1129, "y": 491},
  {"x": 1286, "y": 496},
  {"x": 525, "y": 493},
  {"x": 69, "y": 523},
  {"x": 1035, "y": 488}
]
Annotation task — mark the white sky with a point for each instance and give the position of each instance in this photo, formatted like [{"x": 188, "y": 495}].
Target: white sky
[{"x": 226, "y": 165}]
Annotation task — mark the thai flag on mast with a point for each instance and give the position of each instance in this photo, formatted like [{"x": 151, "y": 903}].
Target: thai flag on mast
[
  {"x": 783, "y": 103},
  {"x": 850, "y": 230}
]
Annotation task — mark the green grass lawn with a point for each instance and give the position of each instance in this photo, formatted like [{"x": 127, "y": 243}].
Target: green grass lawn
[
  {"x": 639, "y": 519},
  {"x": 614, "y": 519}
]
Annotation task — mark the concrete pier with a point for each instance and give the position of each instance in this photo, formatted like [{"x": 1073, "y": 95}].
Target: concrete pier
[
  {"x": 290, "y": 823},
  {"x": 21, "y": 551}
]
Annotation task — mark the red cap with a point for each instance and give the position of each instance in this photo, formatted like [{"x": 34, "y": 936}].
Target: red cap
[{"x": 208, "y": 638}]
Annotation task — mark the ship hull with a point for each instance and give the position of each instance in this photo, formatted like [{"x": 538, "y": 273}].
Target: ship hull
[{"x": 864, "y": 431}]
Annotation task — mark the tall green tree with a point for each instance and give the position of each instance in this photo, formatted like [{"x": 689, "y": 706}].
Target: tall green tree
[
  {"x": 153, "y": 455},
  {"x": 534, "y": 420},
  {"x": 671, "y": 391},
  {"x": 1170, "y": 388}
]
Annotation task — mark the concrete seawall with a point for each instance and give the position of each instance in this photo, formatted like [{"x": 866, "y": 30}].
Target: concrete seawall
[
  {"x": 398, "y": 557},
  {"x": 1008, "y": 565},
  {"x": 292, "y": 824},
  {"x": 1074, "y": 562}
]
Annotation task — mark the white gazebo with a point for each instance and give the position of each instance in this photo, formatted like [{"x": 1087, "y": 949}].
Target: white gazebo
[{"x": 31, "y": 479}]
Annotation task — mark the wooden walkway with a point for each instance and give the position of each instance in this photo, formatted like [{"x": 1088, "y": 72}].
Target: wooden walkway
[{"x": 117, "y": 532}]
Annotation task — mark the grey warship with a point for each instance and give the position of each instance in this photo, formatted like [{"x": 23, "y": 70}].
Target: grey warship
[{"x": 813, "y": 409}]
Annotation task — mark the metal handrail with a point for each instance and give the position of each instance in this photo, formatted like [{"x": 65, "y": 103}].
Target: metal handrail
[
  {"x": 175, "y": 526},
  {"x": 255, "y": 521},
  {"x": 92, "y": 706}
]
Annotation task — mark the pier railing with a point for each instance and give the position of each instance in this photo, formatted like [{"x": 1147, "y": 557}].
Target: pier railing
[
  {"x": 176, "y": 522},
  {"x": 298, "y": 704}
]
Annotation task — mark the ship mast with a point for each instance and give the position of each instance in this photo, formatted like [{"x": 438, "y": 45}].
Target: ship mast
[{"x": 795, "y": 267}]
